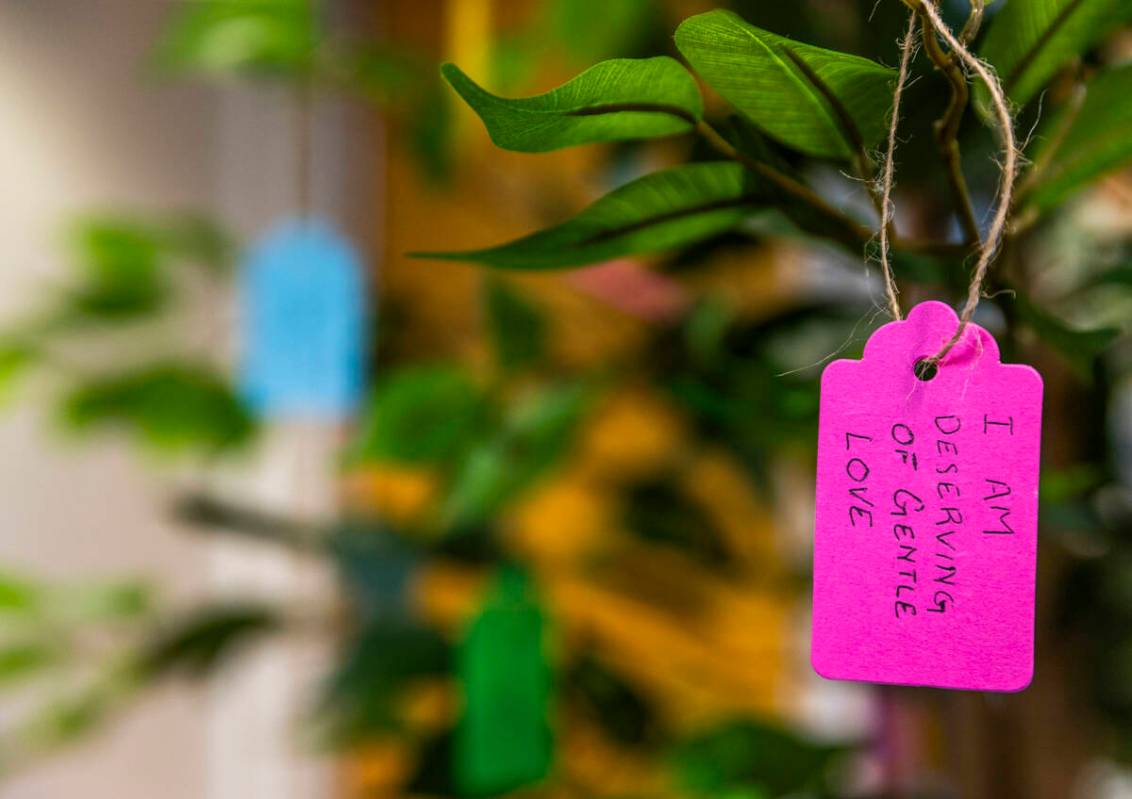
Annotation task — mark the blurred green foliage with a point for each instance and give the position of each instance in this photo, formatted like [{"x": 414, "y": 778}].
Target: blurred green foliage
[
  {"x": 133, "y": 274},
  {"x": 517, "y": 329},
  {"x": 286, "y": 42},
  {"x": 1082, "y": 141},
  {"x": 78, "y": 652},
  {"x": 168, "y": 405},
  {"x": 423, "y": 414},
  {"x": 263, "y": 37},
  {"x": 747, "y": 758},
  {"x": 127, "y": 268}
]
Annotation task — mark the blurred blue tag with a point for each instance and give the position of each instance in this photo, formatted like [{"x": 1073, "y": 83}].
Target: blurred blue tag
[{"x": 303, "y": 315}]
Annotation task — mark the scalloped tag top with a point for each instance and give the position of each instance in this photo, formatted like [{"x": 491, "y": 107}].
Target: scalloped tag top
[
  {"x": 303, "y": 323},
  {"x": 925, "y": 528}
]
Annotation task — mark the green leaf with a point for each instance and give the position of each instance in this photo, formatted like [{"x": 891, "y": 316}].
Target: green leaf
[
  {"x": 198, "y": 643},
  {"x": 16, "y": 358},
  {"x": 503, "y": 740},
  {"x": 24, "y": 660},
  {"x": 615, "y": 100},
  {"x": 422, "y": 414},
  {"x": 749, "y": 755},
  {"x": 386, "y": 656},
  {"x": 200, "y": 240},
  {"x": 261, "y": 37},
  {"x": 1080, "y": 348},
  {"x": 609, "y": 700},
  {"x": 123, "y": 600},
  {"x": 821, "y": 102},
  {"x": 1072, "y": 483},
  {"x": 482, "y": 484},
  {"x": 432, "y": 132},
  {"x": 587, "y": 37},
  {"x": 518, "y": 330},
  {"x": 123, "y": 265},
  {"x": 212, "y": 515},
  {"x": 660, "y": 211},
  {"x": 119, "y": 269},
  {"x": 68, "y": 718},
  {"x": 171, "y": 406},
  {"x": 405, "y": 85},
  {"x": 657, "y": 512},
  {"x": 1085, "y": 141},
  {"x": 19, "y": 595},
  {"x": 384, "y": 73},
  {"x": 535, "y": 435},
  {"x": 705, "y": 331},
  {"x": 1029, "y": 40},
  {"x": 1119, "y": 275}
]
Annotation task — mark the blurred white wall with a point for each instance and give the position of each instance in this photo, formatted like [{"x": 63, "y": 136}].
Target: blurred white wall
[
  {"x": 82, "y": 127},
  {"x": 79, "y": 130}
]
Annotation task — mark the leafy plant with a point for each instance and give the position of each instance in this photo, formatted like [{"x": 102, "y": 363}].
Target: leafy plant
[
  {"x": 80, "y": 652},
  {"x": 799, "y": 115}
]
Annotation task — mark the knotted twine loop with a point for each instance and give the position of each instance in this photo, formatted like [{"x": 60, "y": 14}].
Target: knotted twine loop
[
  {"x": 907, "y": 53},
  {"x": 989, "y": 245}
]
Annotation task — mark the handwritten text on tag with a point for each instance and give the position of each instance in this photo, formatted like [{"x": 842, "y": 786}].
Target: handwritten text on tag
[{"x": 925, "y": 540}]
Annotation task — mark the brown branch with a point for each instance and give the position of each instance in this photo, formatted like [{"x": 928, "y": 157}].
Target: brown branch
[
  {"x": 854, "y": 231},
  {"x": 974, "y": 22},
  {"x": 947, "y": 126}
]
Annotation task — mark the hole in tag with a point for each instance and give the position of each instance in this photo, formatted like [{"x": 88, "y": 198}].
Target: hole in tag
[{"x": 925, "y": 369}]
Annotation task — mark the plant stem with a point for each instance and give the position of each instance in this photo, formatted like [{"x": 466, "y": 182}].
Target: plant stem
[
  {"x": 974, "y": 22},
  {"x": 947, "y": 126},
  {"x": 855, "y": 232},
  {"x": 304, "y": 121}
]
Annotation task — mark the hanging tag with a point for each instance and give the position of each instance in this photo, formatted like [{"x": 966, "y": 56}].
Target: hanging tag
[
  {"x": 302, "y": 298},
  {"x": 925, "y": 539},
  {"x": 503, "y": 740}
]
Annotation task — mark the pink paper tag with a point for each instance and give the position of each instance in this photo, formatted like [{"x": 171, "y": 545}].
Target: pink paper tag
[{"x": 925, "y": 539}]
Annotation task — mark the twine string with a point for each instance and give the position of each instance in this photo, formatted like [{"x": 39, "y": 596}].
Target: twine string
[
  {"x": 990, "y": 243},
  {"x": 989, "y": 246},
  {"x": 888, "y": 182}
]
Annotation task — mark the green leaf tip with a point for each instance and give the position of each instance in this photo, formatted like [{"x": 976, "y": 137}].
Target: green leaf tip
[{"x": 616, "y": 100}]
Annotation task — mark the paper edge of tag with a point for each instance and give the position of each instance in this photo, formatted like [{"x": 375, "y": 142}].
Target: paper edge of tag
[{"x": 1026, "y": 675}]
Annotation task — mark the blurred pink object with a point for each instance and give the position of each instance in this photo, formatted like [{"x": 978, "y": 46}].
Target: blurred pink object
[{"x": 632, "y": 288}]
